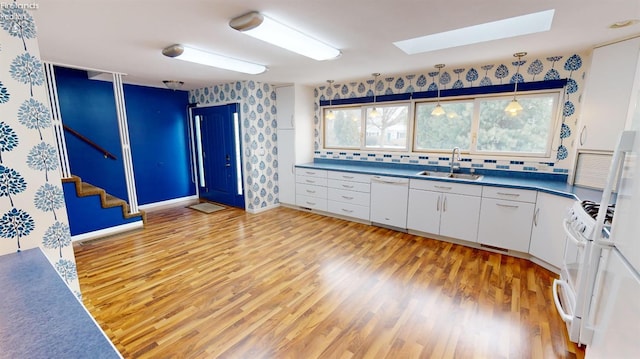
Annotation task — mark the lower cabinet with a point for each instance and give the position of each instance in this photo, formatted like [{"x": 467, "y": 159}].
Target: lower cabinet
[
  {"x": 311, "y": 189},
  {"x": 547, "y": 235},
  {"x": 446, "y": 209},
  {"x": 389, "y": 197},
  {"x": 349, "y": 194},
  {"x": 506, "y": 217}
]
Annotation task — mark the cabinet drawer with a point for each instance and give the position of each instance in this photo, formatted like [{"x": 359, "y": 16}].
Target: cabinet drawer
[
  {"x": 447, "y": 187},
  {"x": 311, "y": 172},
  {"x": 349, "y": 209},
  {"x": 352, "y": 177},
  {"x": 341, "y": 195},
  {"x": 311, "y": 190},
  {"x": 510, "y": 194},
  {"x": 350, "y": 186},
  {"x": 311, "y": 202},
  {"x": 316, "y": 181}
]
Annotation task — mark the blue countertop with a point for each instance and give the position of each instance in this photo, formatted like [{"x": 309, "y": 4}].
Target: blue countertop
[
  {"x": 544, "y": 182},
  {"x": 40, "y": 317}
]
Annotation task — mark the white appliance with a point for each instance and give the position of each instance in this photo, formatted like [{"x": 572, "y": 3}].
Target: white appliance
[{"x": 613, "y": 318}]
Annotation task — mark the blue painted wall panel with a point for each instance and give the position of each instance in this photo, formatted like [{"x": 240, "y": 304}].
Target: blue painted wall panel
[
  {"x": 158, "y": 133},
  {"x": 88, "y": 106}
]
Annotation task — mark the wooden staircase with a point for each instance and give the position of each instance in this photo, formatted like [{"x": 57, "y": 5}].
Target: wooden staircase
[{"x": 84, "y": 189}]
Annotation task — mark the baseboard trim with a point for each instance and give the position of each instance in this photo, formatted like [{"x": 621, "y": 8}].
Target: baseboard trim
[
  {"x": 262, "y": 209},
  {"x": 107, "y": 231},
  {"x": 176, "y": 202}
]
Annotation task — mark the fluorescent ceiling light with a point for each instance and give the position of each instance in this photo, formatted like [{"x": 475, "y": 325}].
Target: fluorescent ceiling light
[
  {"x": 190, "y": 54},
  {"x": 501, "y": 29},
  {"x": 275, "y": 33}
]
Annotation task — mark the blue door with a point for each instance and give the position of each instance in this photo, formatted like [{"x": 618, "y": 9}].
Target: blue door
[{"x": 217, "y": 134}]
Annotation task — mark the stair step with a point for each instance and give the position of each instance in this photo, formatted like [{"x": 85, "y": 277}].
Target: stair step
[{"x": 84, "y": 189}]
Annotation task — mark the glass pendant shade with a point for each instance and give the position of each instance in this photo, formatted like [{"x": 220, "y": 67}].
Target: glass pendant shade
[
  {"x": 438, "y": 111},
  {"x": 513, "y": 108}
]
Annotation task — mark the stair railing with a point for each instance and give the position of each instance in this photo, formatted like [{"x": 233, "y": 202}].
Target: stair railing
[{"x": 82, "y": 137}]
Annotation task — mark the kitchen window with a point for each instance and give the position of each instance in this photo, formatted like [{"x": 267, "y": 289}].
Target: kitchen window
[
  {"x": 476, "y": 125},
  {"x": 385, "y": 128}
]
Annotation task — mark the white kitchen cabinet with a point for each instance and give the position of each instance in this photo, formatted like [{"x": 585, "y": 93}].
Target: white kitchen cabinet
[
  {"x": 349, "y": 194},
  {"x": 547, "y": 235},
  {"x": 311, "y": 189},
  {"x": 389, "y": 198},
  {"x": 506, "y": 217},
  {"x": 295, "y": 114},
  {"x": 447, "y": 209},
  {"x": 604, "y": 109}
]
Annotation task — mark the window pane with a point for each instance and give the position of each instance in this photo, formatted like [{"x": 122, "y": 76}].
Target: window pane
[
  {"x": 388, "y": 128},
  {"x": 527, "y": 133},
  {"x": 444, "y": 132},
  {"x": 342, "y": 130}
]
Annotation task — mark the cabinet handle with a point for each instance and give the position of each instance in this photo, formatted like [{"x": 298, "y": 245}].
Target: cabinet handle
[
  {"x": 347, "y": 210},
  {"x": 293, "y": 124},
  {"x": 347, "y": 177},
  {"x": 583, "y": 135},
  {"x": 507, "y": 205},
  {"x": 309, "y": 173},
  {"x": 347, "y": 186},
  {"x": 311, "y": 203},
  {"x": 293, "y": 169},
  {"x": 509, "y": 194},
  {"x": 444, "y": 204},
  {"x": 310, "y": 191},
  {"x": 438, "y": 205},
  {"x": 347, "y": 197},
  {"x": 535, "y": 217},
  {"x": 310, "y": 181},
  {"x": 443, "y": 187}
]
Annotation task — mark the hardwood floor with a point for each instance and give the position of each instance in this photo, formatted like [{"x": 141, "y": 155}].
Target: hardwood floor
[{"x": 291, "y": 284}]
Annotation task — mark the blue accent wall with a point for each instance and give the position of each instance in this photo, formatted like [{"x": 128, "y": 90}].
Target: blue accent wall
[
  {"x": 158, "y": 132},
  {"x": 88, "y": 106}
]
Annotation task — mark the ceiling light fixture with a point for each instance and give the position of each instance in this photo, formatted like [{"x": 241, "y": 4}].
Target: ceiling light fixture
[
  {"x": 173, "y": 84},
  {"x": 374, "y": 112},
  {"x": 501, "y": 29},
  {"x": 190, "y": 54},
  {"x": 438, "y": 110},
  {"x": 623, "y": 23},
  {"x": 514, "y": 108},
  {"x": 330, "y": 115},
  {"x": 266, "y": 29}
]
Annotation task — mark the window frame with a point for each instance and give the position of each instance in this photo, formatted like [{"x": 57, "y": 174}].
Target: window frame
[{"x": 556, "y": 120}]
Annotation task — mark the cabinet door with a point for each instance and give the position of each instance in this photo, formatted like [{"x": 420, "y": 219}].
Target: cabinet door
[
  {"x": 606, "y": 103},
  {"x": 389, "y": 197},
  {"x": 505, "y": 224},
  {"x": 285, "y": 104},
  {"x": 423, "y": 212},
  {"x": 286, "y": 167},
  {"x": 460, "y": 216},
  {"x": 547, "y": 234}
]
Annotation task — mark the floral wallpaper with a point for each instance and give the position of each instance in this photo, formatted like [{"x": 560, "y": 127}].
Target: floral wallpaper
[
  {"x": 541, "y": 68},
  {"x": 32, "y": 208},
  {"x": 258, "y": 127}
]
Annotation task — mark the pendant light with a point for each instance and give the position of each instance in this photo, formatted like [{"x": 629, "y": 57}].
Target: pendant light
[
  {"x": 330, "y": 115},
  {"x": 438, "y": 111},
  {"x": 514, "y": 108},
  {"x": 374, "y": 112}
]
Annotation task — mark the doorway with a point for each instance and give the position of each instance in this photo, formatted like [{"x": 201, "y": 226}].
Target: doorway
[{"x": 218, "y": 154}]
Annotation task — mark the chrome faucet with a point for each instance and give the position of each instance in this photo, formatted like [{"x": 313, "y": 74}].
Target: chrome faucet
[{"x": 453, "y": 156}]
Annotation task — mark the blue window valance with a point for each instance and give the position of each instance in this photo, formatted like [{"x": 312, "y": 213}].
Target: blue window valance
[{"x": 465, "y": 91}]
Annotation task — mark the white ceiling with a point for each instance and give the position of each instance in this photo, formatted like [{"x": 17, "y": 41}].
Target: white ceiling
[{"x": 128, "y": 35}]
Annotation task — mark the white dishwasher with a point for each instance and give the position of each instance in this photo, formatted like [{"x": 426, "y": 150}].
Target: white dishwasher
[{"x": 389, "y": 197}]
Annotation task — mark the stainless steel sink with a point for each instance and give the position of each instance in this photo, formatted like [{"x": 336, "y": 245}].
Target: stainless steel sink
[{"x": 465, "y": 176}]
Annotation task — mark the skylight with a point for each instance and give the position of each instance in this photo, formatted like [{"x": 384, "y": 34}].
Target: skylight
[{"x": 501, "y": 29}]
